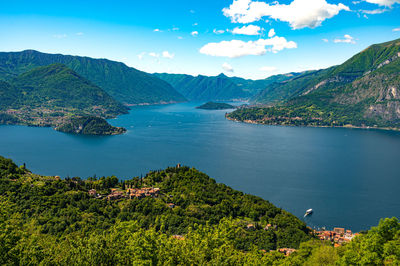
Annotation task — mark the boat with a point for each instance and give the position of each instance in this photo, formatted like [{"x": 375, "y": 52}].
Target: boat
[{"x": 308, "y": 212}]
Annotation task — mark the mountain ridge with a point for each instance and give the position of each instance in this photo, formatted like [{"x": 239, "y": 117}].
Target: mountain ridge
[{"x": 126, "y": 84}]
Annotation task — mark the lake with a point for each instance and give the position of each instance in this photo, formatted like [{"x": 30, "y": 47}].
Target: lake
[{"x": 350, "y": 177}]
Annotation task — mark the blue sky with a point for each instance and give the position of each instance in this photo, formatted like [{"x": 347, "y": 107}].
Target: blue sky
[{"x": 202, "y": 37}]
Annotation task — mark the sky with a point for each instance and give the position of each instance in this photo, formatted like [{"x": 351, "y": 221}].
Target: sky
[{"x": 244, "y": 38}]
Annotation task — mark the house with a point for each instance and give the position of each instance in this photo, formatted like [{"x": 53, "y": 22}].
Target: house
[
  {"x": 286, "y": 251},
  {"x": 179, "y": 237},
  {"x": 93, "y": 193},
  {"x": 269, "y": 226},
  {"x": 171, "y": 205},
  {"x": 251, "y": 227},
  {"x": 115, "y": 194},
  {"x": 142, "y": 192},
  {"x": 339, "y": 230}
]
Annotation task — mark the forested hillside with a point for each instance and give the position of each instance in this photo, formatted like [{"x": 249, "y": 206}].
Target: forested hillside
[
  {"x": 191, "y": 220},
  {"x": 50, "y": 95},
  {"x": 126, "y": 84}
]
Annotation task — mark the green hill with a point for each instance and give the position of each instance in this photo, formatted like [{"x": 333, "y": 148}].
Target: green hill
[
  {"x": 45, "y": 220},
  {"x": 49, "y": 95},
  {"x": 90, "y": 125},
  {"x": 215, "y": 106},
  {"x": 123, "y": 83},
  {"x": 362, "y": 92}
]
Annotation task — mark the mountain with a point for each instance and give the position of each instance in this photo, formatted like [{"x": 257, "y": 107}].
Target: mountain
[
  {"x": 219, "y": 88},
  {"x": 125, "y": 84},
  {"x": 49, "y": 95},
  {"x": 281, "y": 90},
  {"x": 256, "y": 86},
  {"x": 363, "y": 92},
  {"x": 203, "y": 88}
]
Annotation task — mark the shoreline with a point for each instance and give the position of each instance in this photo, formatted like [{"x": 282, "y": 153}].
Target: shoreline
[
  {"x": 149, "y": 104},
  {"x": 345, "y": 126}
]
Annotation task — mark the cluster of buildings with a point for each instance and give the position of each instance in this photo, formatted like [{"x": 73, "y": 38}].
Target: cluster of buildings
[
  {"x": 142, "y": 192},
  {"x": 338, "y": 235},
  {"x": 129, "y": 193}
]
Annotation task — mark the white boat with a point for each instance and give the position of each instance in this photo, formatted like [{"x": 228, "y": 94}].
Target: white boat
[{"x": 308, "y": 212}]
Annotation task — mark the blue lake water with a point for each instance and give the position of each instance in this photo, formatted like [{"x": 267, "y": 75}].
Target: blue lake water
[{"x": 350, "y": 177}]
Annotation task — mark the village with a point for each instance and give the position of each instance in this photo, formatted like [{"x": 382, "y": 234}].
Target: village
[{"x": 337, "y": 236}]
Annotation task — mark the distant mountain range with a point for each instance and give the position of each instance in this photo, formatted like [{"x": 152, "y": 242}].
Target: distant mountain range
[
  {"x": 125, "y": 84},
  {"x": 48, "y": 89},
  {"x": 221, "y": 87},
  {"x": 364, "y": 92}
]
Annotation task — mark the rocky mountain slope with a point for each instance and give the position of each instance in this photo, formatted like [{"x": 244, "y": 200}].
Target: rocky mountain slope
[{"x": 364, "y": 92}]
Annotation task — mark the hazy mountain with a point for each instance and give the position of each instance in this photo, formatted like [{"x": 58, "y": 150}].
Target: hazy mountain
[{"x": 219, "y": 88}]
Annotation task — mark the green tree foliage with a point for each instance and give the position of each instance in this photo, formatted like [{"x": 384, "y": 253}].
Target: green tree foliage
[
  {"x": 58, "y": 86},
  {"x": 215, "y": 106},
  {"x": 90, "y": 125},
  {"x": 47, "y": 221}
]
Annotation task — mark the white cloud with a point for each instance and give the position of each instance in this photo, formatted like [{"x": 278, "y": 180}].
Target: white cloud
[
  {"x": 271, "y": 33},
  {"x": 238, "y": 48},
  {"x": 383, "y": 2},
  {"x": 374, "y": 12},
  {"x": 299, "y": 13},
  {"x": 152, "y": 54},
  {"x": 194, "y": 33},
  {"x": 396, "y": 29},
  {"x": 141, "y": 55},
  {"x": 80, "y": 33},
  {"x": 175, "y": 28},
  {"x": 268, "y": 69},
  {"x": 325, "y": 40},
  {"x": 60, "y": 36},
  {"x": 247, "y": 30},
  {"x": 195, "y": 24},
  {"x": 347, "y": 39},
  {"x": 157, "y": 30},
  {"x": 218, "y": 31},
  {"x": 227, "y": 67},
  {"x": 166, "y": 54}
]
